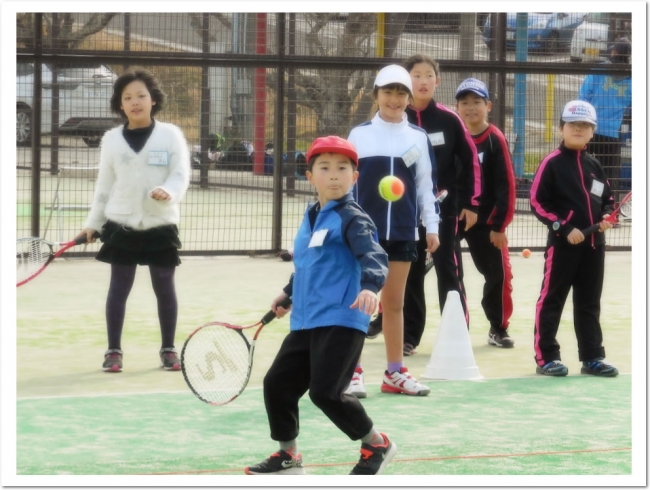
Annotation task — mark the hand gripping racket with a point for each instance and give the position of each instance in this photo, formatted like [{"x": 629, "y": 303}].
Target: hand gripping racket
[
  {"x": 217, "y": 359},
  {"x": 428, "y": 264},
  {"x": 33, "y": 255},
  {"x": 612, "y": 218}
]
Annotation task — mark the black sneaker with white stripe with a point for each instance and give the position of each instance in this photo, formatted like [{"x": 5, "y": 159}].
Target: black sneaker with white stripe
[
  {"x": 500, "y": 338},
  {"x": 280, "y": 463},
  {"x": 374, "y": 459}
]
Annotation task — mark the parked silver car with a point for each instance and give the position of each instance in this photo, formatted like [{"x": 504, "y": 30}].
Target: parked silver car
[{"x": 84, "y": 102}]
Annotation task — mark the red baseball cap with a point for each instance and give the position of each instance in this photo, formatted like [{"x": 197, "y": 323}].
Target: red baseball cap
[{"x": 333, "y": 144}]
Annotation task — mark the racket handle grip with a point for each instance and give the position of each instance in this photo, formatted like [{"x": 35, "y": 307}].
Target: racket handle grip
[
  {"x": 83, "y": 238},
  {"x": 270, "y": 316},
  {"x": 591, "y": 229}
]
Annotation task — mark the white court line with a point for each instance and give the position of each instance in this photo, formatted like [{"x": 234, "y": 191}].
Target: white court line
[{"x": 188, "y": 392}]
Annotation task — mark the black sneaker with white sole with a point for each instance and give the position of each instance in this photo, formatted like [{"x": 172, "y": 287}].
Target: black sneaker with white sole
[
  {"x": 280, "y": 463},
  {"x": 374, "y": 459},
  {"x": 500, "y": 338}
]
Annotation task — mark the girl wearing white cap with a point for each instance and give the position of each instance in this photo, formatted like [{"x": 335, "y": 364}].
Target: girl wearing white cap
[
  {"x": 389, "y": 145},
  {"x": 570, "y": 193}
]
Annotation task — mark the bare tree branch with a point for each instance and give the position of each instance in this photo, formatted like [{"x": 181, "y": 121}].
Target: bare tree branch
[{"x": 96, "y": 23}]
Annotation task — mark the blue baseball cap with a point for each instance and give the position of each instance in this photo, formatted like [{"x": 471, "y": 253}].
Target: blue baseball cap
[{"x": 472, "y": 85}]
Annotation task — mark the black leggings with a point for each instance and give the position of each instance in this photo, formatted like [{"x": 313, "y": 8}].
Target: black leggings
[{"x": 162, "y": 280}]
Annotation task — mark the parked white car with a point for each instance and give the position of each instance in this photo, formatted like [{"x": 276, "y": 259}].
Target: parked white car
[
  {"x": 84, "y": 102},
  {"x": 592, "y": 39}
]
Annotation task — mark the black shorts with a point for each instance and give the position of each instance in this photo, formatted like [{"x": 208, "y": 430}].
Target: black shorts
[
  {"x": 400, "y": 251},
  {"x": 126, "y": 246}
]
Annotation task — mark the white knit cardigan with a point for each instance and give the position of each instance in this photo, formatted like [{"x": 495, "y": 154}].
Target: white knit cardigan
[{"x": 126, "y": 179}]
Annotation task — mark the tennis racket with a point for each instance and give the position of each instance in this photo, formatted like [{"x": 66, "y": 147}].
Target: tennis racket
[
  {"x": 217, "y": 359},
  {"x": 626, "y": 210},
  {"x": 33, "y": 255},
  {"x": 428, "y": 264},
  {"x": 612, "y": 218}
]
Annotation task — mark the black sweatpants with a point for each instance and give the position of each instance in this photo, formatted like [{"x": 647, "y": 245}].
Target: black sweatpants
[
  {"x": 448, "y": 264},
  {"x": 566, "y": 266},
  {"x": 494, "y": 265},
  {"x": 321, "y": 360}
]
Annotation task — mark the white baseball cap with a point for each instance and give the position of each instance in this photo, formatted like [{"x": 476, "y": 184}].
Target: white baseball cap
[
  {"x": 579, "y": 111},
  {"x": 394, "y": 74}
]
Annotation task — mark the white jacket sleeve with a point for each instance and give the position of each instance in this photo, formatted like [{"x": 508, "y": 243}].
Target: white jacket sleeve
[
  {"x": 103, "y": 186},
  {"x": 426, "y": 199},
  {"x": 178, "y": 179}
]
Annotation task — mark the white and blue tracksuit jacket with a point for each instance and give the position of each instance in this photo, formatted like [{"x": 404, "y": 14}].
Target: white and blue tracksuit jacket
[
  {"x": 403, "y": 150},
  {"x": 336, "y": 255}
]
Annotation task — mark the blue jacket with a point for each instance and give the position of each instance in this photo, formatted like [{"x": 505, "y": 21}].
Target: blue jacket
[
  {"x": 610, "y": 97},
  {"x": 335, "y": 255},
  {"x": 403, "y": 150}
]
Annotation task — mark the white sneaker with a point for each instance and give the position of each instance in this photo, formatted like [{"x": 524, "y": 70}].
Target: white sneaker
[
  {"x": 356, "y": 387},
  {"x": 402, "y": 382}
]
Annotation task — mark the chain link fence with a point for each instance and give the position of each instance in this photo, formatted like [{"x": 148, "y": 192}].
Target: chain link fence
[{"x": 252, "y": 90}]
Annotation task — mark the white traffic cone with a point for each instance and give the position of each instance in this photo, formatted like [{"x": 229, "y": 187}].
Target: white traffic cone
[{"x": 452, "y": 357}]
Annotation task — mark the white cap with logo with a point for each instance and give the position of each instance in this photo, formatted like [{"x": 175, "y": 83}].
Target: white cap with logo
[
  {"x": 579, "y": 111},
  {"x": 394, "y": 74}
]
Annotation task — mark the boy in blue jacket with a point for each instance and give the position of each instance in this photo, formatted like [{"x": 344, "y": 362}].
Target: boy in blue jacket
[{"x": 340, "y": 268}]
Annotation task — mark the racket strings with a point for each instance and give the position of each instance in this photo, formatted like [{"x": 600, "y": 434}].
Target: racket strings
[
  {"x": 216, "y": 363},
  {"x": 31, "y": 255}
]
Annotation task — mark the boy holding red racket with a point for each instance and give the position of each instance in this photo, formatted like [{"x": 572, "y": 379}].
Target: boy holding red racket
[
  {"x": 570, "y": 192},
  {"x": 340, "y": 268}
]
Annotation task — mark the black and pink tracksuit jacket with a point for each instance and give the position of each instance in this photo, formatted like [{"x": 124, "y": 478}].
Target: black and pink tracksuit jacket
[{"x": 567, "y": 193}]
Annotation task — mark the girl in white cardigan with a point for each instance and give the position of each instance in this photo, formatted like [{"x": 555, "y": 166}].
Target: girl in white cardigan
[{"x": 143, "y": 175}]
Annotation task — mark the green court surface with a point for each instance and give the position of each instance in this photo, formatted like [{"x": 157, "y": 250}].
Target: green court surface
[
  {"x": 73, "y": 419},
  {"x": 574, "y": 426}
]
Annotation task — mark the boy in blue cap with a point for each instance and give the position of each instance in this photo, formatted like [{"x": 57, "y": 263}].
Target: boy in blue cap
[{"x": 487, "y": 239}]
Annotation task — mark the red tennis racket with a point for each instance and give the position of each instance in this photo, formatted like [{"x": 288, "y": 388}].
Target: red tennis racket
[
  {"x": 33, "y": 255},
  {"x": 217, "y": 359},
  {"x": 612, "y": 218}
]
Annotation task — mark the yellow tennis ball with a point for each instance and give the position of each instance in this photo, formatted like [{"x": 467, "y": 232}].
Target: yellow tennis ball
[{"x": 391, "y": 188}]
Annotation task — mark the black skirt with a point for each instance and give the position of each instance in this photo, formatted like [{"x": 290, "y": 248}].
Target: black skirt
[{"x": 126, "y": 246}]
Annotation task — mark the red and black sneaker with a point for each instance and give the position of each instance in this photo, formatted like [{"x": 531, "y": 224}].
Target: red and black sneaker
[
  {"x": 169, "y": 359},
  {"x": 280, "y": 463},
  {"x": 112, "y": 361},
  {"x": 374, "y": 458}
]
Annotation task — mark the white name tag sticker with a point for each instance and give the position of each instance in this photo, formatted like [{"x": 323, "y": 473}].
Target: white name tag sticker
[
  {"x": 411, "y": 156},
  {"x": 159, "y": 158},
  {"x": 480, "y": 157},
  {"x": 318, "y": 238},
  {"x": 437, "y": 139},
  {"x": 597, "y": 188}
]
